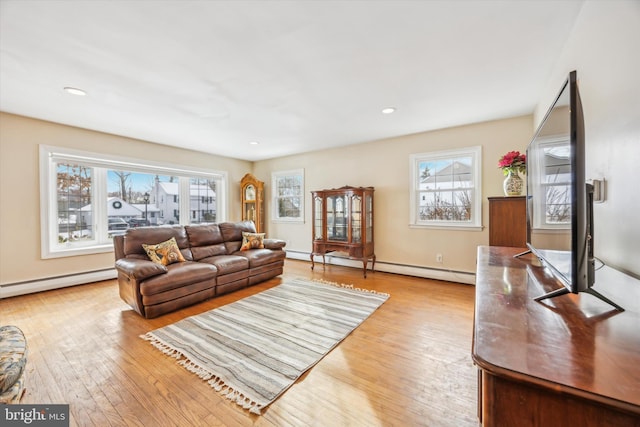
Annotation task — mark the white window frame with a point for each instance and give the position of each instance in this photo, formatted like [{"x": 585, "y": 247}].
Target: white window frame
[
  {"x": 475, "y": 224},
  {"x": 101, "y": 163},
  {"x": 274, "y": 198}
]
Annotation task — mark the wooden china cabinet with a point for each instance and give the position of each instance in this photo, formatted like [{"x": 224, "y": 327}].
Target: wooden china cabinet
[
  {"x": 252, "y": 195},
  {"x": 343, "y": 222}
]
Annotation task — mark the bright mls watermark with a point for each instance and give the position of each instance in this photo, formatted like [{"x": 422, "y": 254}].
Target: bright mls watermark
[{"x": 34, "y": 415}]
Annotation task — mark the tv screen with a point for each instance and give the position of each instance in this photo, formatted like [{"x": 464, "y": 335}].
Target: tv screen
[
  {"x": 558, "y": 230},
  {"x": 559, "y": 200}
]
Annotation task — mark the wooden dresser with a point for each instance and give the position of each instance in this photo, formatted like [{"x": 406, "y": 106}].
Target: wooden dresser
[
  {"x": 508, "y": 221},
  {"x": 571, "y": 360}
]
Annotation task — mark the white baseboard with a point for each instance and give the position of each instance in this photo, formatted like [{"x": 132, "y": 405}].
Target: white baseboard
[
  {"x": 387, "y": 267},
  {"x": 32, "y": 286}
]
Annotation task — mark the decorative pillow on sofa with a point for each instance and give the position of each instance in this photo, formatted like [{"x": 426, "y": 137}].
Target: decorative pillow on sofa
[
  {"x": 252, "y": 241},
  {"x": 164, "y": 253}
]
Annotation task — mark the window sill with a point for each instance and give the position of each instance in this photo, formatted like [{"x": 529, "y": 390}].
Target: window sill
[
  {"x": 85, "y": 250},
  {"x": 452, "y": 227}
]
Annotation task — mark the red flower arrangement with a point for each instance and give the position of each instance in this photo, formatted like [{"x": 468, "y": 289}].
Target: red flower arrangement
[{"x": 513, "y": 161}]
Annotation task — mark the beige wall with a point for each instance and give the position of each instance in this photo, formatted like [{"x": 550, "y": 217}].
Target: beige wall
[
  {"x": 20, "y": 194},
  {"x": 385, "y": 165},
  {"x": 603, "y": 49}
]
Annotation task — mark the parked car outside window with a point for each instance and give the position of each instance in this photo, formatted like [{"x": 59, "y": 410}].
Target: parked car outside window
[
  {"x": 117, "y": 226},
  {"x": 138, "y": 222}
]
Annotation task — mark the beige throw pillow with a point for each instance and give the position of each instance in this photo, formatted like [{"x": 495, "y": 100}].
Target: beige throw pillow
[{"x": 164, "y": 253}]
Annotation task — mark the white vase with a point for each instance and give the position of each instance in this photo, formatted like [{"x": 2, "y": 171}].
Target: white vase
[{"x": 513, "y": 184}]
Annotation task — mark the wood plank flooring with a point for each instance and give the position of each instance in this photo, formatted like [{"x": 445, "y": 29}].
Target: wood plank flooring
[{"x": 409, "y": 364}]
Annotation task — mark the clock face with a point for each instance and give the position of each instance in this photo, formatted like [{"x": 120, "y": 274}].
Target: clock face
[{"x": 250, "y": 192}]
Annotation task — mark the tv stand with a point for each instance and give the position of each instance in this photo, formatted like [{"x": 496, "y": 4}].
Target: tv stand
[
  {"x": 593, "y": 292},
  {"x": 575, "y": 364},
  {"x": 557, "y": 292}
]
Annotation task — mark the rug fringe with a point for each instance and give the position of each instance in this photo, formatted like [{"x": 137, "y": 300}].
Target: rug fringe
[
  {"x": 176, "y": 354},
  {"x": 162, "y": 346},
  {"x": 349, "y": 286},
  {"x": 215, "y": 382},
  {"x": 235, "y": 396}
]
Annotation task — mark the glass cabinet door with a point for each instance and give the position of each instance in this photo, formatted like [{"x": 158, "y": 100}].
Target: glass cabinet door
[
  {"x": 337, "y": 218},
  {"x": 369, "y": 220},
  {"x": 356, "y": 219},
  {"x": 250, "y": 211},
  {"x": 317, "y": 218}
]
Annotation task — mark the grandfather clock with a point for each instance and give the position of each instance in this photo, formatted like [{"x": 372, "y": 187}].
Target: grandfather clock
[{"x": 252, "y": 195}]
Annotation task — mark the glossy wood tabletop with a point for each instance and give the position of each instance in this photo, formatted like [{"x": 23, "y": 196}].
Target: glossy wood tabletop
[{"x": 574, "y": 344}]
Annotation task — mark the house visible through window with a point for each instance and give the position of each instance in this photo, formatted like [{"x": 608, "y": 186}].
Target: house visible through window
[
  {"x": 87, "y": 199},
  {"x": 288, "y": 195},
  {"x": 445, "y": 188}
]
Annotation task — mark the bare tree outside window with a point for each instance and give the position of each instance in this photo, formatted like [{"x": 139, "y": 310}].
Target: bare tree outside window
[{"x": 74, "y": 192}]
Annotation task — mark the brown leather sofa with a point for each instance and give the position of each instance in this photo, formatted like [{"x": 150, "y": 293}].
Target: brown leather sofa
[{"x": 214, "y": 265}]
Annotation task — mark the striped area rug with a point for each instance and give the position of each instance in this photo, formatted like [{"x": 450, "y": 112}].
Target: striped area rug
[{"x": 253, "y": 350}]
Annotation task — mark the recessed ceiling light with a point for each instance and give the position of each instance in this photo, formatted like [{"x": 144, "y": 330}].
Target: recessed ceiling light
[
  {"x": 253, "y": 143},
  {"x": 388, "y": 110},
  {"x": 75, "y": 91}
]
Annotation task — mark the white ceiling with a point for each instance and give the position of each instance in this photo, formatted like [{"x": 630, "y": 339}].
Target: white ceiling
[{"x": 296, "y": 76}]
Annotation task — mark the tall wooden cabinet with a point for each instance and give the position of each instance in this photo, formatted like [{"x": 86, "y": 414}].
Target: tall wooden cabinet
[
  {"x": 508, "y": 221},
  {"x": 343, "y": 222},
  {"x": 252, "y": 196}
]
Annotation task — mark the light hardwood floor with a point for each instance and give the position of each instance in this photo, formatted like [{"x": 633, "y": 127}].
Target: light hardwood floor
[{"x": 409, "y": 364}]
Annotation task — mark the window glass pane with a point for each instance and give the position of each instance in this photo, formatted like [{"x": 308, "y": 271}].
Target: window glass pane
[
  {"x": 288, "y": 195},
  {"x": 444, "y": 189},
  {"x": 203, "y": 202},
  {"x": 74, "y": 205},
  {"x": 133, "y": 200}
]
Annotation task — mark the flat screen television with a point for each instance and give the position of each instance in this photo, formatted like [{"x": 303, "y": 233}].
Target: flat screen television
[{"x": 559, "y": 200}]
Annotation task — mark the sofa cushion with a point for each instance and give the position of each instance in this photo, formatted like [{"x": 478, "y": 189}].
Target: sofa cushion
[
  {"x": 135, "y": 237},
  {"x": 164, "y": 253},
  {"x": 274, "y": 244},
  {"x": 227, "y": 264},
  {"x": 205, "y": 240},
  {"x": 232, "y": 233},
  {"x": 258, "y": 257},
  {"x": 252, "y": 241},
  {"x": 139, "y": 269},
  {"x": 183, "y": 291},
  {"x": 177, "y": 276}
]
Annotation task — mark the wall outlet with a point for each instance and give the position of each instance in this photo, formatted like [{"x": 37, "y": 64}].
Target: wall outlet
[{"x": 439, "y": 258}]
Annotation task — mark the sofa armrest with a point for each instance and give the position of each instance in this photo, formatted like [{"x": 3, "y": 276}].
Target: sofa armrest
[
  {"x": 274, "y": 244},
  {"x": 139, "y": 269}
]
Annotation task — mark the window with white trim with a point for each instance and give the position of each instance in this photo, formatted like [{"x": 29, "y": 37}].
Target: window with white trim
[
  {"x": 87, "y": 198},
  {"x": 288, "y": 195},
  {"x": 445, "y": 188}
]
